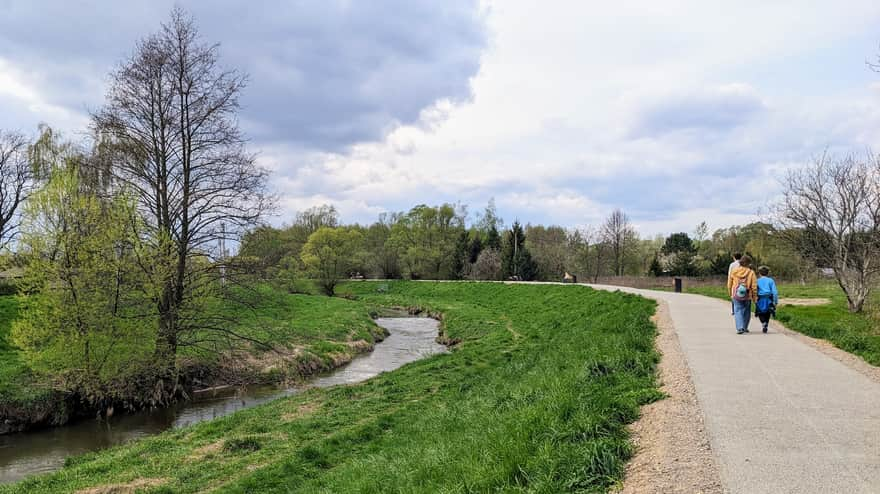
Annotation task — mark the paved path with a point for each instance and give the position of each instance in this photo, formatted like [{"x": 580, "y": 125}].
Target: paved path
[{"x": 782, "y": 417}]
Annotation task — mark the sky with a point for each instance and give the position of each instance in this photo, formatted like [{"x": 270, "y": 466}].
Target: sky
[{"x": 676, "y": 112}]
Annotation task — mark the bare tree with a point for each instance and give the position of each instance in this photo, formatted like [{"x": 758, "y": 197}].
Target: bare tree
[
  {"x": 620, "y": 236},
  {"x": 488, "y": 265},
  {"x": 171, "y": 113},
  {"x": 16, "y": 183},
  {"x": 315, "y": 217},
  {"x": 830, "y": 213}
]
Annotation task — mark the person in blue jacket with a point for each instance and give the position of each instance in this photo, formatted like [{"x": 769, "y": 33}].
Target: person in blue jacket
[{"x": 768, "y": 297}]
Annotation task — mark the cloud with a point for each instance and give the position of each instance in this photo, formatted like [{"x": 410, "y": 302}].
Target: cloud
[
  {"x": 323, "y": 75},
  {"x": 717, "y": 109}
]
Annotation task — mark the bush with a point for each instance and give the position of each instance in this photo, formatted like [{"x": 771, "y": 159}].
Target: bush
[{"x": 8, "y": 287}]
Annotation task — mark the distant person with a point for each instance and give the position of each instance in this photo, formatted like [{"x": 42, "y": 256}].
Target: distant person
[
  {"x": 768, "y": 297},
  {"x": 735, "y": 264},
  {"x": 743, "y": 290}
]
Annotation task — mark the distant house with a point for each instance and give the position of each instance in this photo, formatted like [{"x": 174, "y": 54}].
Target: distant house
[{"x": 826, "y": 272}]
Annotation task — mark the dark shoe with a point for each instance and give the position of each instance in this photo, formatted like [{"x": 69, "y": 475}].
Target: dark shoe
[
  {"x": 765, "y": 329},
  {"x": 745, "y": 331},
  {"x": 739, "y": 331}
]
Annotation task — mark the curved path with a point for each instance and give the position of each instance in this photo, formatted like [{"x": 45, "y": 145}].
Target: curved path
[{"x": 782, "y": 416}]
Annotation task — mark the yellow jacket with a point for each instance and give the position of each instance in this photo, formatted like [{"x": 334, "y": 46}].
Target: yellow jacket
[{"x": 751, "y": 281}]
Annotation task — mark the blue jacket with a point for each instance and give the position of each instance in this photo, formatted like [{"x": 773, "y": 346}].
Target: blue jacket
[{"x": 766, "y": 286}]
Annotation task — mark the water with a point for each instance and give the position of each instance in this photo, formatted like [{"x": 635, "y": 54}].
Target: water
[{"x": 44, "y": 451}]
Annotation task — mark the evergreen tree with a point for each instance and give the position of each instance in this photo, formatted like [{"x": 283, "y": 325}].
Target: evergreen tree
[
  {"x": 493, "y": 238},
  {"x": 655, "y": 269},
  {"x": 516, "y": 261},
  {"x": 476, "y": 246},
  {"x": 461, "y": 256}
]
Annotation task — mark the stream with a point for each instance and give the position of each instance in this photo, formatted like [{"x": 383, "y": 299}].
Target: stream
[{"x": 28, "y": 453}]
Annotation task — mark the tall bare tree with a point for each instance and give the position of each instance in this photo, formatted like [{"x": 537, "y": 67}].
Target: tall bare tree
[
  {"x": 620, "y": 236},
  {"x": 830, "y": 213},
  {"x": 16, "y": 183},
  {"x": 171, "y": 113}
]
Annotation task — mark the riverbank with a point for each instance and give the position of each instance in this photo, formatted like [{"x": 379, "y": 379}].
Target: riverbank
[
  {"x": 829, "y": 320},
  {"x": 44, "y": 451},
  {"x": 306, "y": 335},
  {"x": 536, "y": 395}
]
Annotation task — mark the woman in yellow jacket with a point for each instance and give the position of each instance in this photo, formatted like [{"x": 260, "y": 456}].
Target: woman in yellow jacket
[{"x": 743, "y": 289}]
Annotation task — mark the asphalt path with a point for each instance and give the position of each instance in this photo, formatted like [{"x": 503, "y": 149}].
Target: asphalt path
[{"x": 782, "y": 417}]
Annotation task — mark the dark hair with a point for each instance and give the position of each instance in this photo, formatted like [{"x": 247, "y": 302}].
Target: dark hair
[
  {"x": 763, "y": 270},
  {"x": 745, "y": 261},
  {"x": 737, "y": 255}
]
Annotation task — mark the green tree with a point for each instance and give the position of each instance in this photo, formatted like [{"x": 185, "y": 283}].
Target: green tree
[
  {"x": 493, "y": 239},
  {"x": 83, "y": 298},
  {"x": 549, "y": 248},
  {"x": 655, "y": 269},
  {"x": 426, "y": 238},
  {"x": 516, "y": 261},
  {"x": 384, "y": 255},
  {"x": 681, "y": 252},
  {"x": 461, "y": 255},
  {"x": 475, "y": 247},
  {"x": 330, "y": 254}
]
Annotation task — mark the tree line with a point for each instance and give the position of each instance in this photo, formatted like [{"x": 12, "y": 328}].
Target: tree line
[{"x": 445, "y": 243}]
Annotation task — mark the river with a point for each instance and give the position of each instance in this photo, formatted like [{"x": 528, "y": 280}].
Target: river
[{"x": 41, "y": 451}]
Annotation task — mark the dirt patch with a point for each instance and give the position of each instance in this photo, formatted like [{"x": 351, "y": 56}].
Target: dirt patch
[
  {"x": 673, "y": 454},
  {"x": 202, "y": 452},
  {"x": 127, "y": 488},
  {"x": 301, "y": 411},
  {"x": 360, "y": 346},
  {"x": 848, "y": 359},
  {"x": 804, "y": 301}
]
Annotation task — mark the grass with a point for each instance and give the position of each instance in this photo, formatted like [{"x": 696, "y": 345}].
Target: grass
[
  {"x": 318, "y": 327},
  {"x": 534, "y": 398},
  {"x": 855, "y": 333}
]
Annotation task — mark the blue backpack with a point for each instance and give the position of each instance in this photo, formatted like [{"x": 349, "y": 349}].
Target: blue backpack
[{"x": 741, "y": 292}]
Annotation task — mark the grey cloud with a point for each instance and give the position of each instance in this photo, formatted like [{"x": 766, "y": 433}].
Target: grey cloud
[
  {"x": 323, "y": 75},
  {"x": 717, "y": 110}
]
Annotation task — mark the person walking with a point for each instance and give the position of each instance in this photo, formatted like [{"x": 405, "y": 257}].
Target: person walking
[
  {"x": 768, "y": 297},
  {"x": 743, "y": 290},
  {"x": 733, "y": 265}
]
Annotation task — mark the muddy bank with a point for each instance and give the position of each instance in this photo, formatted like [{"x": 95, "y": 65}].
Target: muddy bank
[{"x": 51, "y": 410}]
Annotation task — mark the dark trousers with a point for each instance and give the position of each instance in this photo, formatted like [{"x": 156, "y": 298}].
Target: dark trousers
[{"x": 764, "y": 318}]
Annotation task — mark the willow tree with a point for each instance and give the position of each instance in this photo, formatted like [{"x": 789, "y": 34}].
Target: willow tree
[
  {"x": 170, "y": 114},
  {"x": 81, "y": 300}
]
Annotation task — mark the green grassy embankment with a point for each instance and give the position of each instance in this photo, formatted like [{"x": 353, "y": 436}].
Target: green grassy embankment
[
  {"x": 855, "y": 333},
  {"x": 534, "y": 398}
]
